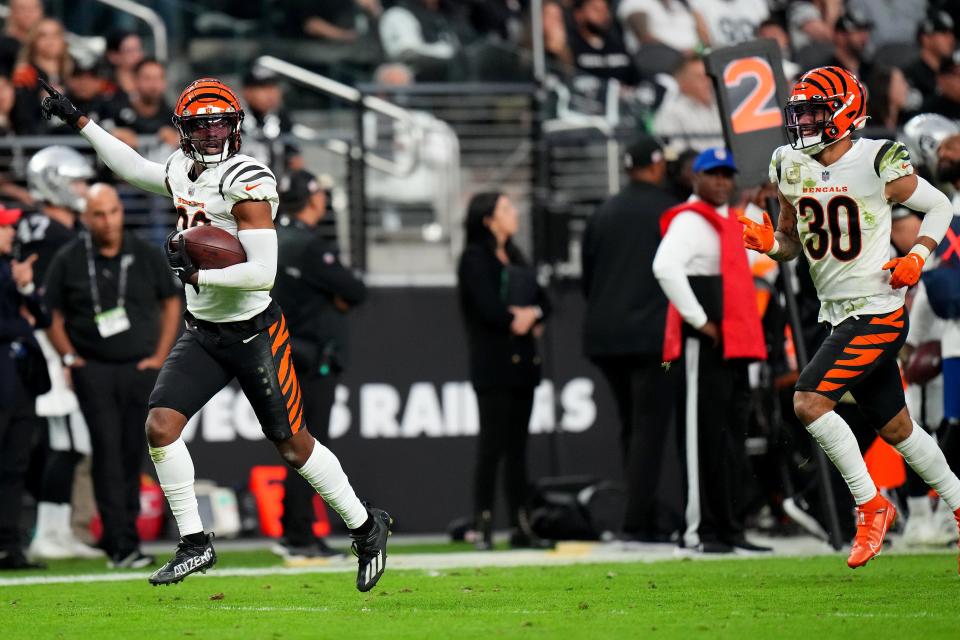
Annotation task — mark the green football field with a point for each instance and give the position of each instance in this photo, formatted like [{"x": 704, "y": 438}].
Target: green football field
[{"x": 896, "y": 596}]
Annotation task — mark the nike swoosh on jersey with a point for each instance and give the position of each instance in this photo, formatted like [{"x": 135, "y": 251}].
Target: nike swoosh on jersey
[
  {"x": 246, "y": 340},
  {"x": 251, "y": 186}
]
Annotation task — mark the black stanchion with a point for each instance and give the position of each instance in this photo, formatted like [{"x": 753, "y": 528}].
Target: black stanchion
[{"x": 785, "y": 284}]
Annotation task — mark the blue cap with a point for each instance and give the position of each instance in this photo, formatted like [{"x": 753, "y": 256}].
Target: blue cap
[{"x": 714, "y": 158}]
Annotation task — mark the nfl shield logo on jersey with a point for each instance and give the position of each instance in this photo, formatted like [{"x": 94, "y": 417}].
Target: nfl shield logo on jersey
[{"x": 825, "y": 176}]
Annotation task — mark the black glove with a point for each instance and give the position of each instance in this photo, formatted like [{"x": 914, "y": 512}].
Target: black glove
[
  {"x": 175, "y": 248},
  {"x": 57, "y": 104}
]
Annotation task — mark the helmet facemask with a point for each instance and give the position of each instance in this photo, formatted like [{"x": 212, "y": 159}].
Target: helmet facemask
[
  {"x": 810, "y": 126},
  {"x": 211, "y": 138}
]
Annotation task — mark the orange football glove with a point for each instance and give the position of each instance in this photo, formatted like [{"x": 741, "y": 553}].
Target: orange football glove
[
  {"x": 906, "y": 270},
  {"x": 758, "y": 237}
]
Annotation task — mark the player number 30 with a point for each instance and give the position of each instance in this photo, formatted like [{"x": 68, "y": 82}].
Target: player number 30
[{"x": 827, "y": 234}]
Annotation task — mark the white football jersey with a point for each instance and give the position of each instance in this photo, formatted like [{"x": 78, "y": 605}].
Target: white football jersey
[
  {"x": 843, "y": 219},
  {"x": 209, "y": 200}
]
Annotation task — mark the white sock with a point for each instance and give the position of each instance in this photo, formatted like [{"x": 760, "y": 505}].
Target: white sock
[
  {"x": 921, "y": 452},
  {"x": 324, "y": 473},
  {"x": 175, "y": 471},
  {"x": 50, "y": 518},
  {"x": 840, "y": 445},
  {"x": 919, "y": 507}
]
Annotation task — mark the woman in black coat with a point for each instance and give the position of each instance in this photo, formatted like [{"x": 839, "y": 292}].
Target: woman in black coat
[{"x": 503, "y": 309}]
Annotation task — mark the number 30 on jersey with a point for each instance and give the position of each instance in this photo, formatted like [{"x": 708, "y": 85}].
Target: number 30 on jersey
[{"x": 827, "y": 234}]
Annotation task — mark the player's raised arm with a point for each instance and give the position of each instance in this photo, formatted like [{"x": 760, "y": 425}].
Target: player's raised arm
[
  {"x": 122, "y": 160},
  {"x": 782, "y": 244}
]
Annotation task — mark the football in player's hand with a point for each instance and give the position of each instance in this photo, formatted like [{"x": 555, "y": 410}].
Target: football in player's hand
[{"x": 211, "y": 247}]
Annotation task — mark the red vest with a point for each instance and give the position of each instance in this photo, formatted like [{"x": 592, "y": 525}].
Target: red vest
[{"x": 742, "y": 335}]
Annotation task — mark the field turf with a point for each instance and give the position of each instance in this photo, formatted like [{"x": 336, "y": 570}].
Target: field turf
[{"x": 818, "y": 598}]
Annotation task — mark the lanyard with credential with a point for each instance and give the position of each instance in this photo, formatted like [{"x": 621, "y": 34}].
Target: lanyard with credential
[{"x": 125, "y": 261}]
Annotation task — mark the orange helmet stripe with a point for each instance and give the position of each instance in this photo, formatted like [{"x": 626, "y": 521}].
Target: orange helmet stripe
[{"x": 211, "y": 93}]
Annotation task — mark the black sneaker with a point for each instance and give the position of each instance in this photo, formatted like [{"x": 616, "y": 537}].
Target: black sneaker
[
  {"x": 15, "y": 561},
  {"x": 130, "y": 560},
  {"x": 744, "y": 546},
  {"x": 318, "y": 549},
  {"x": 326, "y": 551},
  {"x": 713, "y": 547},
  {"x": 189, "y": 558},
  {"x": 371, "y": 550}
]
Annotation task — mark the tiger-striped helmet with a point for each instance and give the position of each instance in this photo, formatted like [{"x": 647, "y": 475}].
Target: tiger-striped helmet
[
  {"x": 826, "y": 104},
  {"x": 208, "y": 116}
]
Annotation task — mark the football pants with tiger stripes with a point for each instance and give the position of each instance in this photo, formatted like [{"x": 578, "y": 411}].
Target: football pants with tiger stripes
[
  {"x": 860, "y": 356},
  {"x": 256, "y": 352}
]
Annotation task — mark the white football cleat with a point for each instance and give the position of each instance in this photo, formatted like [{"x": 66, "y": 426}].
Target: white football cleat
[
  {"x": 49, "y": 547},
  {"x": 78, "y": 548}
]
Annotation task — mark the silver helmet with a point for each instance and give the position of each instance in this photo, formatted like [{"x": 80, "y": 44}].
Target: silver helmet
[
  {"x": 923, "y": 134},
  {"x": 53, "y": 174}
]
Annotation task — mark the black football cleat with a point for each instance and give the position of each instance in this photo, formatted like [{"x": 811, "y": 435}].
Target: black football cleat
[
  {"x": 189, "y": 558},
  {"x": 371, "y": 550}
]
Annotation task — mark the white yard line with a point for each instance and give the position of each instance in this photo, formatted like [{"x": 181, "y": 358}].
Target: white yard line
[{"x": 566, "y": 554}]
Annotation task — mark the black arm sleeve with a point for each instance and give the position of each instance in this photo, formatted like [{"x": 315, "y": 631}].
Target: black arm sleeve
[
  {"x": 323, "y": 270},
  {"x": 163, "y": 279},
  {"x": 586, "y": 258},
  {"x": 478, "y": 287},
  {"x": 37, "y": 307},
  {"x": 543, "y": 301},
  {"x": 53, "y": 284}
]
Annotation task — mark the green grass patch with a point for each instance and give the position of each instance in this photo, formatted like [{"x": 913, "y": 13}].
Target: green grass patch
[{"x": 810, "y": 598}]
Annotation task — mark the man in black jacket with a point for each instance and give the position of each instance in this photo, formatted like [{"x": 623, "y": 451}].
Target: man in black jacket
[
  {"x": 116, "y": 312},
  {"x": 18, "y": 421},
  {"x": 623, "y": 328},
  {"x": 315, "y": 291}
]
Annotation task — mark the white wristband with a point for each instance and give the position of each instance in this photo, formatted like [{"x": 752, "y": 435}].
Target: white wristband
[
  {"x": 27, "y": 289},
  {"x": 921, "y": 251},
  {"x": 775, "y": 249}
]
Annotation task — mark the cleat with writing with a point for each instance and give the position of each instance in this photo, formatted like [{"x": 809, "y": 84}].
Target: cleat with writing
[{"x": 189, "y": 558}]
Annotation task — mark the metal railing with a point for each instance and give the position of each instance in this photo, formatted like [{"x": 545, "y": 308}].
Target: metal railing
[
  {"x": 153, "y": 20},
  {"x": 355, "y": 151}
]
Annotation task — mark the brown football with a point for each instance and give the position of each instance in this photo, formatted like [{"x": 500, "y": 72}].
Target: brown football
[{"x": 212, "y": 247}]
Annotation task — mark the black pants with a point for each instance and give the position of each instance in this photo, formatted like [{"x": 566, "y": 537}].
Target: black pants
[
  {"x": 256, "y": 352},
  {"x": 113, "y": 398},
  {"x": 18, "y": 428},
  {"x": 644, "y": 391},
  {"x": 713, "y": 420},
  {"x": 504, "y": 431},
  {"x": 319, "y": 393},
  {"x": 59, "y": 465}
]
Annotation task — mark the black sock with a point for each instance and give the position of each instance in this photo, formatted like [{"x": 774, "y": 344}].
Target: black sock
[
  {"x": 198, "y": 538},
  {"x": 363, "y": 529}
]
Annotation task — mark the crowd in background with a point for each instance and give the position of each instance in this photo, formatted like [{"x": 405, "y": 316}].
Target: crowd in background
[{"x": 651, "y": 49}]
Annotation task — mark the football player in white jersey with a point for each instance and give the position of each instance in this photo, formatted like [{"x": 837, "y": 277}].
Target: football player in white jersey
[
  {"x": 234, "y": 329},
  {"x": 835, "y": 195}
]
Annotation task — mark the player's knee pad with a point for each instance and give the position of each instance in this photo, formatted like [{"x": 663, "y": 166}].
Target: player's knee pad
[{"x": 277, "y": 436}]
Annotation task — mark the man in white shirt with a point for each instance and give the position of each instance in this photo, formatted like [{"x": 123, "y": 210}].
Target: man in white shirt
[
  {"x": 730, "y": 22},
  {"x": 714, "y": 320},
  {"x": 689, "y": 117}
]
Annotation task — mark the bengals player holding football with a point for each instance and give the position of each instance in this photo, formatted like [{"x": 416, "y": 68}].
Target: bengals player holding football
[
  {"x": 835, "y": 195},
  {"x": 234, "y": 328}
]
